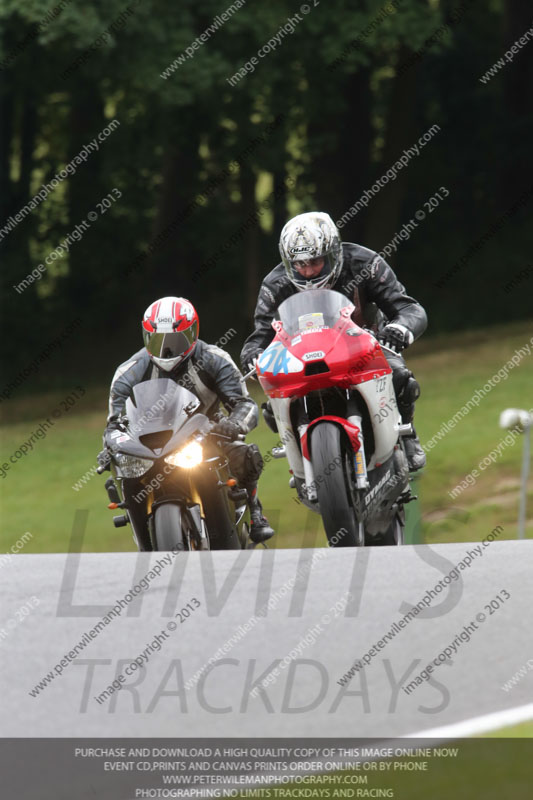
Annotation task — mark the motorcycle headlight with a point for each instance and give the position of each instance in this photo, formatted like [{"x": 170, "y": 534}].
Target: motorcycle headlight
[
  {"x": 131, "y": 466},
  {"x": 189, "y": 456}
]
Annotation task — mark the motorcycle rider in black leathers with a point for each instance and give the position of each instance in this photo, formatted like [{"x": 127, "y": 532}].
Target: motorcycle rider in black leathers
[
  {"x": 173, "y": 351},
  {"x": 313, "y": 257}
]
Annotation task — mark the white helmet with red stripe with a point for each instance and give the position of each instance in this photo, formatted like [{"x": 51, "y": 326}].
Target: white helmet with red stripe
[{"x": 170, "y": 331}]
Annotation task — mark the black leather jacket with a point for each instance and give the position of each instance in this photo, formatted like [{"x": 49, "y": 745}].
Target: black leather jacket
[
  {"x": 210, "y": 374},
  {"x": 366, "y": 279}
]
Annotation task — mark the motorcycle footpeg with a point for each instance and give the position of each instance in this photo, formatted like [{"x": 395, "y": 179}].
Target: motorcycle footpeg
[
  {"x": 279, "y": 452},
  {"x": 405, "y": 430},
  {"x": 407, "y": 497}
]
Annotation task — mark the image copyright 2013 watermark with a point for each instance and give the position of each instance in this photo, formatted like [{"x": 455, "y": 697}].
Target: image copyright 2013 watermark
[
  {"x": 390, "y": 175},
  {"x": 307, "y": 640},
  {"x": 286, "y": 29},
  {"x": 147, "y": 696},
  {"x": 61, "y": 175},
  {"x": 74, "y": 236},
  {"x": 112, "y": 613},
  {"x": 460, "y": 639},
  {"x": 41, "y": 432},
  {"x": 453, "y": 576},
  {"x": 19, "y": 616},
  {"x": 479, "y": 394},
  {"x": 419, "y": 215},
  {"x": 470, "y": 479}
]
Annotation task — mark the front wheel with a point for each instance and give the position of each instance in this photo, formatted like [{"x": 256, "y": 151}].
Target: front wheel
[
  {"x": 393, "y": 536},
  {"x": 168, "y": 533},
  {"x": 331, "y": 459}
]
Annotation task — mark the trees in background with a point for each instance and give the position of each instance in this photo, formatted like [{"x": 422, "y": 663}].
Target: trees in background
[{"x": 208, "y": 172}]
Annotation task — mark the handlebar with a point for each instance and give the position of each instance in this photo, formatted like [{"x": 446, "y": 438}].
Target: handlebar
[{"x": 248, "y": 375}]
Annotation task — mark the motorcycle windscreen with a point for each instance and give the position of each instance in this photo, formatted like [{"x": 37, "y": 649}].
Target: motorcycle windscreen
[
  {"x": 158, "y": 403},
  {"x": 311, "y": 310}
]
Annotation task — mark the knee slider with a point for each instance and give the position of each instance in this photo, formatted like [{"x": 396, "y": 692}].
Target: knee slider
[
  {"x": 254, "y": 463},
  {"x": 408, "y": 393},
  {"x": 400, "y": 377},
  {"x": 246, "y": 462},
  {"x": 411, "y": 389}
]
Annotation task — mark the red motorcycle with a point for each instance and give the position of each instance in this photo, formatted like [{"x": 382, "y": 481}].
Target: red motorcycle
[{"x": 333, "y": 404}]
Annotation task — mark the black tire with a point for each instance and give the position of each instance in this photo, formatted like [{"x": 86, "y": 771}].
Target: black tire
[
  {"x": 168, "y": 528},
  {"x": 219, "y": 515},
  {"x": 330, "y": 457}
]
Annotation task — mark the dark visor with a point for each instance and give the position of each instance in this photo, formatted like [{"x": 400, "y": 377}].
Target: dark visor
[{"x": 172, "y": 345}]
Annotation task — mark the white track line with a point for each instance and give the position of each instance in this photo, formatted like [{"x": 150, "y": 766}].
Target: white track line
[
  {"x": 458, "y": 730},
  {"x": 477, "y": 725}
]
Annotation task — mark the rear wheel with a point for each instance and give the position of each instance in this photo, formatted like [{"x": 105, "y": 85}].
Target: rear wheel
[
  {"x": 331, "y": 457},
  {"x": 168, "y": 528}
]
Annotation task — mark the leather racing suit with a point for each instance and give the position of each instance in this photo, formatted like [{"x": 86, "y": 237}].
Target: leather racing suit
[
  {"x": 211, "y": 374},
  {"x": 379, "y": 298}
]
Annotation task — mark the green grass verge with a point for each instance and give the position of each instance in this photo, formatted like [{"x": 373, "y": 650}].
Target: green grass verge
[
  {"x": 524, "y": 730},
  {"x": 37, "y": 493}
]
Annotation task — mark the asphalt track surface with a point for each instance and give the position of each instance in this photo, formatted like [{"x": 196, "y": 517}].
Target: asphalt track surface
[{"x": 306, "y": 588}]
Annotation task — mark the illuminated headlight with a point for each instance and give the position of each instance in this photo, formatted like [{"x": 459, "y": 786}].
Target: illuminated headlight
[
  {"x": 189, "y": 456},
  {"x": 131, "y": 466}
]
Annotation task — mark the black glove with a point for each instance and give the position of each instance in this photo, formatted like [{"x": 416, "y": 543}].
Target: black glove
[
  {"x": 396, "y": 337},
  {"x": 250, "y": 365},
  {"x": 227, "y": 428}
]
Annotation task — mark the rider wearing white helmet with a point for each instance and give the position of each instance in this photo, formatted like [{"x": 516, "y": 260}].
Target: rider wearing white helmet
[{"x": 173, "y": 350}]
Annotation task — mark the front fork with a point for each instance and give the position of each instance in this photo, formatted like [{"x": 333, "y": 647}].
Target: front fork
[
  {"x": 361, "y": 475},
  {"x": 359, "y": 462},
  {"x": 309, "y": 475}
]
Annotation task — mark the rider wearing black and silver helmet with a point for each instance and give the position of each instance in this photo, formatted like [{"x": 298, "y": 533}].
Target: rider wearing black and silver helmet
[
  {"x": 313, "y": 257},
  {"x": 307, "y": 242}
]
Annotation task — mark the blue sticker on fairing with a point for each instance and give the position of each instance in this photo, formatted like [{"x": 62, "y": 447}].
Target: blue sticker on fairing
[{"x": 276, "y": 359}]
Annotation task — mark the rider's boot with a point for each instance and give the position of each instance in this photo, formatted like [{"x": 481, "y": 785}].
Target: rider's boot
[
  {"x": 409, "y": 393},
  {"x": 260, "y": 530},
  {"x": 416, "y": 458}
]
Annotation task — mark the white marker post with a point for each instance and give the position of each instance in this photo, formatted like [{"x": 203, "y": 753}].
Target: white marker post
[{"x": 511, "y": 418}]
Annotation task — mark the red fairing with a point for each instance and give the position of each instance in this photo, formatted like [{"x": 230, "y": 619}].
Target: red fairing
[
  {"x": 352, "y": 432},
  {"x": 351, "y": 356}
]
